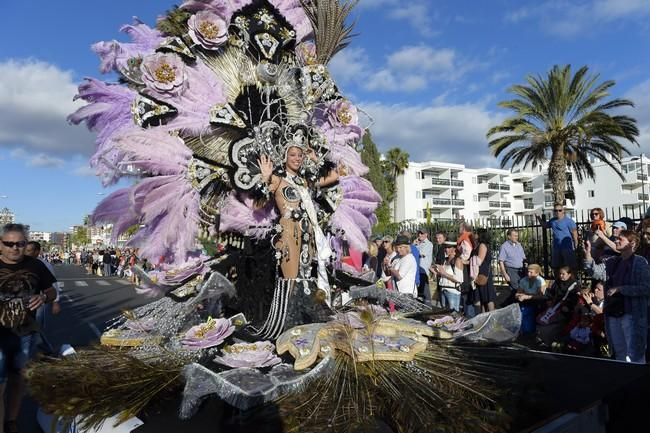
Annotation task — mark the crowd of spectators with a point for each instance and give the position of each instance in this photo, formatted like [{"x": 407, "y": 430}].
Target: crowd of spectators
[{"x": 595, "y": 302}]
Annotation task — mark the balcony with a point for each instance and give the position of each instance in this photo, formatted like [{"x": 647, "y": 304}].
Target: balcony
[
  {"x": 548, "y": 185},
  {"x": 528, "y": 188},
  {"x": 439, "y": 181},
  {"x": 529, "y": 206},
  {"x": 498, "y": 186},
  {"x": 494, "y": 204},
  {"x": 506, "y": 205},
  {"x": 440, "y": 202},
  {"x": 643, "y": 197},
  {"x": 458, "y": 202},
  {"x": 455, "y": 183}
]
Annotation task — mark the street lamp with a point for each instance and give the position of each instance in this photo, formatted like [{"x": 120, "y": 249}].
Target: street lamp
[{"x": 640, "y": 159}]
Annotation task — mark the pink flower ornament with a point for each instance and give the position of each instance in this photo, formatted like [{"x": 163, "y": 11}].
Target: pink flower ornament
[
  {"x": 255, "y": 355},
  {"x": 208, "y": 29},
  {"x": 164, "y": 73},
  {"x": 209, "y": 334}
]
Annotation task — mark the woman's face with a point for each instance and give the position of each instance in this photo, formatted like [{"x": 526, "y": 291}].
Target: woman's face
[
  {"x": 595, "y": 215},
  {"x": 532, "y": 274},
  {"x": 622, "y": 244},
  {"x": 295, "y": 157},
  {"x": 564, "y": 275}
]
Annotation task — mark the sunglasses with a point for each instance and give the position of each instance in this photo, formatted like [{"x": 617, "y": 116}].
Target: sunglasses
[
  {"x": 19, "y": 244},
  {"x": 558, "y": 210}
]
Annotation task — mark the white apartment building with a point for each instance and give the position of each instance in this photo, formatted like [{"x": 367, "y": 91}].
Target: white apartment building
[
  {"x": 7, "y": 216},
  {"x": 40, "y": 236},
  {"x": 452, "y": 191}
]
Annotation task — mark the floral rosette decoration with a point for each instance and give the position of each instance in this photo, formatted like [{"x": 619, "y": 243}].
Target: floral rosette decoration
[
  {"x": 256, "y": 355},
  {"x": 208, "y": 29},
  {"x": 164, "y": 73},
  {"x": 209, "y": 334}
]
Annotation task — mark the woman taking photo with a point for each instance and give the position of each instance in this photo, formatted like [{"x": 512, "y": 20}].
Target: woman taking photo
[{"x": 627, "y": 288}]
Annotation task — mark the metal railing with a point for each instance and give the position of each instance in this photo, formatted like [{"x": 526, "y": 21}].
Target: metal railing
[
  {"x": 494, "y": 204},
  {"x": 440, "y": 202},
  {"x": 506, "y": 204},
  {"x": 439, "y": 181},
  {"x": 528, "y": 188},
  {"x": 458, "y": 183},
  {"x": 529, "y": 206},
  {"x": 458, "y": 202}
]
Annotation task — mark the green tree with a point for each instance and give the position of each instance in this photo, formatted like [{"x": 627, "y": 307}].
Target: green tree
[
  {"x": 395, "y": 162},
  {"x": 80, "y": 236},
  {"x": 563, "y": 119},
  {"x": 372, "y": 159}
]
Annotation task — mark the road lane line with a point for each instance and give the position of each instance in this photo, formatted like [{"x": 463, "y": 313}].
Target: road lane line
[
  {"x": 81, "y": 284},
  {"x": 68, "y": 298},
  {"x": 94, "y": 329},
  {"x": 103, "y": 283}
]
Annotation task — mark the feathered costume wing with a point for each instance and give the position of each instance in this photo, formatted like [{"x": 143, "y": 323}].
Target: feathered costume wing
[{"x": 197, "y": 104}]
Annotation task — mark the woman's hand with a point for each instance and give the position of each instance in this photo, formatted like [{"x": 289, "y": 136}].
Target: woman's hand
[
  {"x": 588, "y": 297},
  {"x": 612, "y": 291},
  {"x": 311, "y": 154},
  {"x": 266, "y": 168}
]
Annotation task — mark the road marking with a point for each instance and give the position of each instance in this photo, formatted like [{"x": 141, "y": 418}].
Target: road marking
[
  {"x": 81, "y": 284},
  {"x": 68, "y": 298},
  {"x": 103, "y": 283},
  {"x": 61, "y": 284},
  {"x": 125, "y": 282},
  {"x": 94, "y": 329}
]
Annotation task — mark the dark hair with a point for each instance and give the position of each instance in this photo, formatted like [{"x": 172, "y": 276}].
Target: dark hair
[
  {"x": 631, "y": 236},
  {"x": 16, "y": 228},
  {"x": 35, "y": 244},
  {"x": 441, "y": 232},
  {"x": 483, "y": 236},
  {"x": 511, "y": 230}
]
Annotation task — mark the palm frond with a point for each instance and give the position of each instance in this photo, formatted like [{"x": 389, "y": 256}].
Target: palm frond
[{"x": 328, "y": 19}]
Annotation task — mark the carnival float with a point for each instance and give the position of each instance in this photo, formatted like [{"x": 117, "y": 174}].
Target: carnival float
[{"x": 248, "y": 191}]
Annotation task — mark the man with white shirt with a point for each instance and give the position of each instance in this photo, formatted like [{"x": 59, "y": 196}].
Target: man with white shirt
[
  {"x": 405, "y": 267},
  {"x": 425, "y": 247}
]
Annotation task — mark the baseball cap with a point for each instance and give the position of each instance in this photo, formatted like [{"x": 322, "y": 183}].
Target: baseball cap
[
  {"x": 402, "y": 240},
  {"x": 620, "y": 225}
]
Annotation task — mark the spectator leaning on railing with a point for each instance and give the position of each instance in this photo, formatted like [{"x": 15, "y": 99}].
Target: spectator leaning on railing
[
  {"x": 627, "y": 283},
  {"x": 512, "y": 259}
]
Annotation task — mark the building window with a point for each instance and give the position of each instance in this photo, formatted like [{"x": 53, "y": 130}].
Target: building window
[
  {"x": 474, "y": 180},
  {"x": 475, "y": 197},
  {"x": 591, "y": 193},
  {"x": 419, "y": 214},
  {"x": 418, "y": 175}
]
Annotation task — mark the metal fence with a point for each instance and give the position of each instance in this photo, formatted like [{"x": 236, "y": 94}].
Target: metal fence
[{"x": 535, "y": 238}]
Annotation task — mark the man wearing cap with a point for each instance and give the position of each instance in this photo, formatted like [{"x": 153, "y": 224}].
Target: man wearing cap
[
  {"x": 405, "y": 268},
  {"x": 610, "y": 242}
]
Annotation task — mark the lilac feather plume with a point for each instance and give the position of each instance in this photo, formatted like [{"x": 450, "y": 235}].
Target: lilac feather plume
[
  {"x": 239, "y": 214},
  {"x": 115, "y": 55},
  {"x": 355, "y": 214}
]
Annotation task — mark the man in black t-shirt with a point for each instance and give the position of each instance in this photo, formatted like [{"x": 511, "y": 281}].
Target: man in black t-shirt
[{"x": 25, "y": 285}]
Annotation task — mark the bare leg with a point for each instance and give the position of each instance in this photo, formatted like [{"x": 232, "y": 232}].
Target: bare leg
[{"x": 490, "y": 306}]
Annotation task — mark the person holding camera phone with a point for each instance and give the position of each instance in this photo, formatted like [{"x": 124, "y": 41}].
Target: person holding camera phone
[{"x": 627, "y": 285}]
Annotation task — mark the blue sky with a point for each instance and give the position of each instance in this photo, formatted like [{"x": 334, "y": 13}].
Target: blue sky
[{"x": 428, "y": 74}]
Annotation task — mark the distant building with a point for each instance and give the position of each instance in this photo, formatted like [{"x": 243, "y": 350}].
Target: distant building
[
  {"x": 59, "y": 238},
  {"x": 452, "y": 191},
  {"x": 7, "y": 217},
  {"x": 40, "y": 236}
]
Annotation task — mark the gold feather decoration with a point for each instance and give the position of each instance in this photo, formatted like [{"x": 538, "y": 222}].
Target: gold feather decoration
[
  {"x": 97, "y": 383},
  {"x": 445, "y": 389},
  {"x": 327, "y": 18}
]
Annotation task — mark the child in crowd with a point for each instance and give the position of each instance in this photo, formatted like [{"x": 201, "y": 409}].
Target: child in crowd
[
  {"x": 531, "y": 287},
  {"x": 530, "y": 291},
  {"x": 580, "y": 336}
]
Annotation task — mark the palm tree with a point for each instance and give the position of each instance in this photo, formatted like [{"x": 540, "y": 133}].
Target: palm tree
[
  {"x": 395, "y": 163},
  {"x": 563, "y": 119}
]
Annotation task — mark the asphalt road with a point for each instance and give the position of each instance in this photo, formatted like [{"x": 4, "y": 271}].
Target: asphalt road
[{"x": 88, "y": 302}]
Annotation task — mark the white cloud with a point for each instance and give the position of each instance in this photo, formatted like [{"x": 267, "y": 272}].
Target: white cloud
[
  {"x": 349, "y": 65},
  {"x": 38, "y": 160},
  {"x": 640, "y": 95},
  {"x": 436, "y": 132},
  {"x": 410, "y": 68},
  {"x": 84, "y": 171},
  {"x": 570, "y": 18},
  {"x": 36, "y": 99},
  {"x": 416, "y": 13}
]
